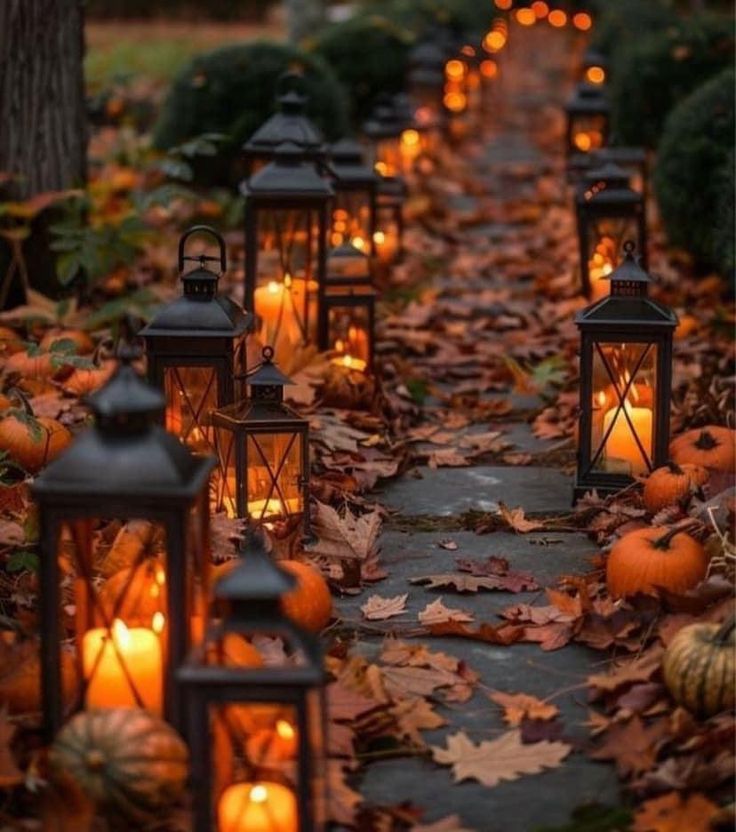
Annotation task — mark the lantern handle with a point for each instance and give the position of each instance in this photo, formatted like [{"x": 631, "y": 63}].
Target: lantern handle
[
  {"x": 221, "y": 258},
  {"x": 288, "y": 81},
  {"x": 630, "y": 247}
]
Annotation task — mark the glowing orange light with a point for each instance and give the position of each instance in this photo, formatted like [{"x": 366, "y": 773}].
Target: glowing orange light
[
  {"x": 494, "y": 41},
  {"x": 504, "y": 5},
  {"x": 455, "y": 102},
  {"x": 468, "y": 50},
  {"x": 488, "y": 68},
  {"x": 525, "y": 17},
  {"x": 455, "y": 70},
  {"x": 381, "y": 168},
  {"x": 557, "y": 18},
  {"x": 595, "y": 74},
  {"x": 582, "y": 142},
  {"x": 540, "y": 9},
  {"x": 582, "y": 21},
  {"x": 410, "y": 137},
  {"x": 340, "y": 214}
]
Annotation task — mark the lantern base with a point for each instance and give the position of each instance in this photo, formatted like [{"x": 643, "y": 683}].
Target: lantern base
[{"x": 603, "y": 489}]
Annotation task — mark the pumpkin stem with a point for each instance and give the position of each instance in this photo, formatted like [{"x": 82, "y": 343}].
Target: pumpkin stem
[
  {"x": 674, "y": 468},
  {"x": 706, "y": 441},
  {"x": 725, "y": 630},
  {"x": 18, "y": 394},
  {"x": 664, "y": 541}
]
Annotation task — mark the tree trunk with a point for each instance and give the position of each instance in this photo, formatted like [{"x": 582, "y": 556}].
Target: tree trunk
[
  {"x": 43, "y": 131},
  {"x": 304, "y": 18}
]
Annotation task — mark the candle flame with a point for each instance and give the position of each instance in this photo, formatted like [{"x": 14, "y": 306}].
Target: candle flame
[
  {"x": 410, "y": 137},
  {"x": 287, "y": 280},
  {"x": 601, "y": 398},
  {"x": 160, "y": 576},
  {"x": 381, "y": 168},
  {"x": 595, "y": 74},
  {"x": 285, "y": 729},
  {"x": 582, "y": 141},
  {"x": 273, "y": 287},
  {"x": 259, "y": 794},
  {"x": 120, "y": 633},
  {"x": 379, "y": 238},
  {"x": 158, "y": 623},
  {"x": 339, "y": 345},
  {"x": 359, "y": 243}
]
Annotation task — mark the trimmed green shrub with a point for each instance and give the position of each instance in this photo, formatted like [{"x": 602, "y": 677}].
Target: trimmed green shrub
[
  {"x": 460, "y": 17},
  {"x": 650, "y": 75},
  {"x": 369, "y": 55},
  {"x": 232, "y": 91},
  {"x": 618, "y": 22},
  {"x": 694, "y": 176}
]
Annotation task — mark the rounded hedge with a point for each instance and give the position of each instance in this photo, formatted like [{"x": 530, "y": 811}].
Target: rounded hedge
[
  {"x": 232, "y": 91},
  {"x": 694, "y": 175},
  {"x": 368, "y": 53},
  {"x": 650, "y": 75},
  {"x": 617, "y": 22},
  {"x": 463, "y": 18}
]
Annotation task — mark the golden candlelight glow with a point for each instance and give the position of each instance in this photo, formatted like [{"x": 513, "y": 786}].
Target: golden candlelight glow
[
  {"x": 358, "y": 242},
  {"x": 582, "y": 21},
  {"x": 455, "y": 101},
  {"x": 557, "y": 18},
  {"x": 587, "y": 140},
  {"x": 257, "y": 807},
  {"x": 600, "y": 265},
  {"x": 158, "y": 622},
  {"x": 494, "y": 41},
  {"x": 410, "y": 137},
  {"x": 525, "y": 17},
  {"x": 621, "y": 444},
  {"x": 540, "y": 9},
  {"x": 504, "y": 5},
  {"x": 381, "y": 168},
  {"x": 488, "y": 68},
  {"x": 455, "y": 70},
  {"x": 595, "y": 74}
]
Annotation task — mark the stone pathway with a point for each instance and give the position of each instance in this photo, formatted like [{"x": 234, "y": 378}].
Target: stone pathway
[{"x": 423, "y": 496}]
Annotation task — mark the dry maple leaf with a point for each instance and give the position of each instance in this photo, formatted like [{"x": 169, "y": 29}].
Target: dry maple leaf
[
  {"x": 505, "y": 634},
  {"x": 342, "y": 800},
  {"x": 498, "y": 569},
  {"x": 632, "y": 745},
  {"x": 446, "y": 458},
  {"x": 675, "y": 813},
  {"x": 638, "y": 670},
  {"x": 452, "y": 823},
  {"x": 505, "y": 758},
  {"x": 515, "y": 519},
  {"x": 406, "y": 654},
  {"x": 349, "y": 537},
  {"x": 377, "y": 608},
  {"x": 458, "y": 581},
  {"x": 415, "y": 715},
  {"x": 437, "y": 613},
  {"x": 519, "y": 706}
]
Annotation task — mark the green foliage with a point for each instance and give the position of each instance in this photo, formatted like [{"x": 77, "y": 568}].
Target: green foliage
[
  {"x": 594, "y": 817},
  {"x": 460, "y": 17},
  {"x": 22, "y": 561},
  {"x": 650, "y": 75},
  {"x": 622, "y": 21},
  {"x": 232, "y": 91},
  {"x": 88, "y": 252},
  {"x": 694, "y": 176},
  {"x": 369, "y": 55}
]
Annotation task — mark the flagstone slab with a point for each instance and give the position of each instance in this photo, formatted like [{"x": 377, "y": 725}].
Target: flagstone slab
[{"x": 443, "y": 492}]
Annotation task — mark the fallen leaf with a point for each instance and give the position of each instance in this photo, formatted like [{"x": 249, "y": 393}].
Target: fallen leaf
[
  {"x": 632, "y": 745},
  {"x": 458, "y": 581},
  {"x": 505, "y": 634},
  {"x": 446, "y": 458},
  {"x": 414, "y": 715},
  {"x": 551, "y": 636},
  {"x": 377, "y": 608},
  {"x": 450, "y": 545},
  {"x": 674, "y": 812},
  {"x": 437, "y": 613},
  {"x": 519, "y": 706},
  {"x": 406, "y": 654},
  {"x": 637, "y": 670},
  {"x": 349, "y": 537},
  {"x": 452, "y": 823},
  {"x": 505, "y": 758},
  {"x": 342, "y": 800},
  {"x": 499, "y": 569},
  {"x": 516, "y": 519}
]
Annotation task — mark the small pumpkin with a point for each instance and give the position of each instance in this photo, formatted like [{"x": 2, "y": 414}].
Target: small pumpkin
[
  {"x": 671, "y": 483},
  {"x": 699, "y": 667},
  {"x": 33, "y": 365},
  {"x": 645, "y": 560},
  {"x": 83, "y": 344},
  {"x": 32, "y": 441},
  {"x": 126, "y": 761},
  {"x": 711, "y": 447},
  {"x": 20, "y": 679},
  {"x": 309, "y": 604},
  {"x": 85, "y": 380}
]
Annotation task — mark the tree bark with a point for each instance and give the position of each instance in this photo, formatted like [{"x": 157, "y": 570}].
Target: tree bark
[
  {"x": 304, "y": 18},
  {"x": 43, "y": 130}
]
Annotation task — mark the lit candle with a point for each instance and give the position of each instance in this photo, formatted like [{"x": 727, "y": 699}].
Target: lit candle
[
  {"x": 257, "y": 807},
  {"x": 387, "y": 244},
  {"x": 268, "y": 746},
  {"x": 621, "y": 444},
  {"x": 109, "y": 685},
  {"x": 271, "y": 507},
  {"x": 350, "y": 362}
]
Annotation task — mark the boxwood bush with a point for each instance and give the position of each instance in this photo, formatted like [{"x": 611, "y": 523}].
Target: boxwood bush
[
  {"x": 232, "y": 91},
  {"x": 368, "y": 53},
  {"x": 617, "y": 22},
  {"x": 694, "y": 175},
  {"x": 463, "y": 18},
  {"x": 650, "y": 75}
]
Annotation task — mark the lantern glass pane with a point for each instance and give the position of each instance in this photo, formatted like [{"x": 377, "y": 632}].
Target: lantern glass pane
[
  {"x": 285, "y": 298},
  {"x": 349, "y": 333},
  {"x": 387, "y": 235},
  {"x": 116, "y": 610},
  {"x": 224, "y": 483},
  {"x": 274, "y": 475},
  {"x": 191, "y": 394},
  {"x": 587, "y": 133},
  {"x": 387, "y": 160},
  {"x": 623, "y": 406},
  {"x": 606, "y": 238},
  {"x": 351, "y": 219}
]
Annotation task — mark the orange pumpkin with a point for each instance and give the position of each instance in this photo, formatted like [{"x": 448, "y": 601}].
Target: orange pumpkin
[
  {"x": 646, "y": 560},
  {"x": 309, "y": 604},
  {"x": 10, "y": 341},
  {"x": 85, "y": 380},
  {"x": 671, "y": 483},
  {"x": 711, "y": 447},
  {"x": 82, "y": 342},
  {"x": 32, "y": 366},
  {"x": 5, "y": 402},
  {"x": 32, "y": 441},
  {"x": 20, "y": 681}
]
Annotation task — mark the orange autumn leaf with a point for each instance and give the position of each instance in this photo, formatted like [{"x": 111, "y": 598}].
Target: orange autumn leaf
[
  {"x": 674, "y": 812},
  {"x": 519, "y": 706}
]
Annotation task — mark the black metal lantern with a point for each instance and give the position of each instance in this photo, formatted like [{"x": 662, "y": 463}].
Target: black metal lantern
[
  {"x": 594, "y": 69},
  {"x": 632, "y": 160},
  {"x": 383, "y": 131},
  {"x": 609, "y": 212},
  {"x": 288, "y": 124},
  {"x": 354, "y": 207},
  {"x": 587, "y": 123},
  {"x": 195, "y": 346},
  {"x": 286, "y": 227},
  {"x": 426, "y": 88},
  {"x": 130, "y": 631},
  {"x": 256, "y": 732},
  {"x": 349, "y": 325},
  {"x": 263, "y": 446},
  {"x": 625, "y": 382}
]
